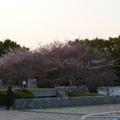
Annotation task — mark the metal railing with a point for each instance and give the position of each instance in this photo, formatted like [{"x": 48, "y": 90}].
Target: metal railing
[{"x": 114, "y": 115}]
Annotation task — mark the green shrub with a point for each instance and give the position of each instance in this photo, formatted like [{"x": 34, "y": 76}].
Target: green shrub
[
  {"x": 72, "y": 94},
  {"x": 26, "y": 91},
  {"x": 17, "y": 95},
  {"x": 2, "y": 97}
]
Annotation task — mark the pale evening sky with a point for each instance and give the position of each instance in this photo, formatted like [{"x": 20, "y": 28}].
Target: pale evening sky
[{"x": 30, "y": 21}]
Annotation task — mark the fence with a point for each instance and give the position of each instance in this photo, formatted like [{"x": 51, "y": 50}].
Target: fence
[{"x": 114, "y": 115}]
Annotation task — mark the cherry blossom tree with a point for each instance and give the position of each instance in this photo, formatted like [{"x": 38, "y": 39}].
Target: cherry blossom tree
[
  {"x": 13, "y": 66},
  {"x": 72, "y": 64},
  {"x": 21, "y": 64},
  {"x": 78, "y": 63}
]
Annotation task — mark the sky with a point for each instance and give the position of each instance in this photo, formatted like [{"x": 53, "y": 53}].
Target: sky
[{"x": 29, "y": 22}]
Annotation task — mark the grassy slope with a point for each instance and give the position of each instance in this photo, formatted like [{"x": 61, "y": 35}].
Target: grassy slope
[{"x": 72, "y": 94}]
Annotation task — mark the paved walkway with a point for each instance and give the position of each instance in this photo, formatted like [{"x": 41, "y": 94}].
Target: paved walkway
[{"x": 72, "y": 113}]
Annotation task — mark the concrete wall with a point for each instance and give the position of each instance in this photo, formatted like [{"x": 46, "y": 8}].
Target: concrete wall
[
  {"x": 44, "y": 93},
  {"x": 1, "y": 84},
  {"x": 113, "y": 90},
  {"x": 32, "y": 83},
  {"x": 64, "y": 102}
]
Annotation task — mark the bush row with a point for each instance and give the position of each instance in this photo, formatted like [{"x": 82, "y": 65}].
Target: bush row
[
  {"x": 17, "y": 95},
  {"x": 72, "y": 94}
]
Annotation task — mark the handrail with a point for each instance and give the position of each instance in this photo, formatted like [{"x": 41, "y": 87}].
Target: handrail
[{"x": 97, "y": 115}]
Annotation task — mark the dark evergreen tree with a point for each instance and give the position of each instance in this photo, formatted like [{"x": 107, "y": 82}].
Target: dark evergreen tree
[{"x": 6, "y": 44}]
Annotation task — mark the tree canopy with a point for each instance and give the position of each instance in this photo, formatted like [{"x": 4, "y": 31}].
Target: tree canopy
[
  {"x": 6, "y": 44},
  {"x": 111, "y": 46},
  {"x": 69, "y": 64}
]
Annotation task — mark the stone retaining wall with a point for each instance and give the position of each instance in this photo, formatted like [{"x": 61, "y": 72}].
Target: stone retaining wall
[
  {"x": 62, "y": 90},
  {"x": 64, "y": 102}
]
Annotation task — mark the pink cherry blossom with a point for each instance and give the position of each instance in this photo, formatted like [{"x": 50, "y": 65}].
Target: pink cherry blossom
[{"x": 75, "y": 63}]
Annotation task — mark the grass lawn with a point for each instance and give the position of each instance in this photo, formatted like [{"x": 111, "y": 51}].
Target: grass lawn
[
  {"x": 9, "y": 85},
  {"x": 5, "y": 89},
  {"x": 72, "y": 94},
  {"x": 41, "y": 89}
]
